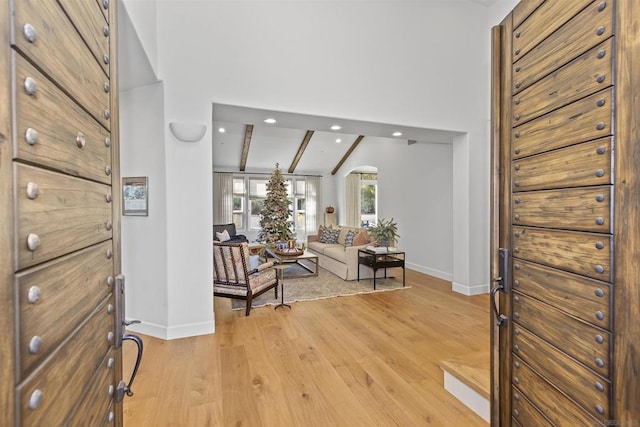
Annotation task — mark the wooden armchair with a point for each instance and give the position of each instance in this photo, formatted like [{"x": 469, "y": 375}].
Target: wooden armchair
[{"x": 232, "y": 277}]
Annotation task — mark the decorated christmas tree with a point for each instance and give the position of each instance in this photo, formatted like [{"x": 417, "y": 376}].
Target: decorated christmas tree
[{"x": 275, "y": 222}]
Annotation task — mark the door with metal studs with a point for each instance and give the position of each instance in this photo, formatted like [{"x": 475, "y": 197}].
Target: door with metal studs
[
  {"x": 61, "y": 291},
  {"x": 565, "y": 214}
]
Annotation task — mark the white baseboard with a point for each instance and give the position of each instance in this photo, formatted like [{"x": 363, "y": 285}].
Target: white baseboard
[
  {"x": 173, "y": 332},
  {"x": 430, "y": 271},
  {"x": 471, "y": 398},
  {"x": 469, "y": 290}
]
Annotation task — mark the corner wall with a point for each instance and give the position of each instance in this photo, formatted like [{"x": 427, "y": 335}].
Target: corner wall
[
  {"x": 416, "y": 190},
  {"x": 144, "y": 239}
]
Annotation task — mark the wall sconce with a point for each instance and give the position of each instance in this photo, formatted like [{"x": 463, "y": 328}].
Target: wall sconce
[{"x": 188, "y": 132}]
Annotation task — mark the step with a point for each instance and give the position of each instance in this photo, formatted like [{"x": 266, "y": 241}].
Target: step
[{"x": 467, "y": 377}]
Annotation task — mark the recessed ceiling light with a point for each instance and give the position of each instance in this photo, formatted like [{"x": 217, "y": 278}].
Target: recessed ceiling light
[
  {"x": 397, "y": 134},
  {"x": 336, "y": 127},
  {"x": 270, "y": 121},
  {"x": 338, "y": 141},
  {"x": 221, "y": 130}
]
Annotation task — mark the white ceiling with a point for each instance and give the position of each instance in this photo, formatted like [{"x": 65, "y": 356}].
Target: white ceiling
[{"x": 279, "y": 142}]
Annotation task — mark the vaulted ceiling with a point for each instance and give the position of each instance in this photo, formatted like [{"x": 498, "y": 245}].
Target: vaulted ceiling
[{"x": 300, "y": 143}]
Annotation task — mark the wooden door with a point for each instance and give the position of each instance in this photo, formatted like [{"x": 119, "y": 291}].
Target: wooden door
[
  {"x": 59, "y": 213},
  {"x": 566, "y": 191}
]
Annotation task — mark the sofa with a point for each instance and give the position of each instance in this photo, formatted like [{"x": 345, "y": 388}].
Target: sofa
[
  {"x": 219, "y": 229},
  {"x": 337, "y": 251}
]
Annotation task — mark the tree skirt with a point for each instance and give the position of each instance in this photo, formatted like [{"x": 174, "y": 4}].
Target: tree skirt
[{"x": 325, "y": 285}]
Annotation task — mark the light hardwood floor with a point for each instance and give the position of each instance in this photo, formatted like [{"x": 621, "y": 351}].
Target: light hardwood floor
[{"x": 365, "y": 360}]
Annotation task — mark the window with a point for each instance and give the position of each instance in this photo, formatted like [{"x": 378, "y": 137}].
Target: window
[
  {"x": 257, "y": 197},
  {"x": 238, "y": 202},
  {"x": 300, "y": 203},
  {"x": 250, "y": 194},
  {"x": 368, "y": 199}
]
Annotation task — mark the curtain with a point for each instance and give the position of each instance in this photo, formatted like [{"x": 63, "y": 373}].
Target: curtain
[
  {"x": 222, "y": 198},
  {"x": 352, "y": 200},
  {"x": 313, "y": 204}
]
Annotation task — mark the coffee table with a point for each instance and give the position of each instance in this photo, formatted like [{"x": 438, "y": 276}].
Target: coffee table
[
  {"x": 255, "y": 248},
  {"x": 308, "y": 261}
]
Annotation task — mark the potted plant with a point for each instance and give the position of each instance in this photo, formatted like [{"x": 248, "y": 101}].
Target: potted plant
[{"x": 384, "y": 231}]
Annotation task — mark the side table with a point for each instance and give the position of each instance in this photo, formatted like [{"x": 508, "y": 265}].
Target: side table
[
  {"x": 280, "y": 269},
  {"x": 384, "y": 260}
]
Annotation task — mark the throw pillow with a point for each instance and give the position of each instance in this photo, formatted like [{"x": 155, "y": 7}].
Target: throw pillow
[
  {"x": 254, "y": 262},
  {"x": 333, "y": 236},
  {"x": 362, "y": 238},
  {"x": 223, "y": 237},
  {"x": 343, "y": 235},
  {"x": 348, "y": 240},
  {"x": 325, "y": 235}
]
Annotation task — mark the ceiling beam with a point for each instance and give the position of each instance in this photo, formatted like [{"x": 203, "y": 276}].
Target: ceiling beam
[
  {"x": 347, "y": 154},
  {"x": 248, "y": 131},
  {"x": 303, "y": 146}
]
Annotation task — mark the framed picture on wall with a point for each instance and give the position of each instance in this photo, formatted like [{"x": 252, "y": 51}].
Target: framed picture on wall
[{"x": 135, "y": 196}]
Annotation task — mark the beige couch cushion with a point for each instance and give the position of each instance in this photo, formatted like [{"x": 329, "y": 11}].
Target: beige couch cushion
[{"x": 336, "y": 252}]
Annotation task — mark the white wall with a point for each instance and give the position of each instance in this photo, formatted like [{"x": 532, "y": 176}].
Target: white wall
[
  {"x": 416, "y": 190},
  {"x": 144, "y": 14},
  {"x": 423, "y": 64},
  {"x": 144, "y": 239}
]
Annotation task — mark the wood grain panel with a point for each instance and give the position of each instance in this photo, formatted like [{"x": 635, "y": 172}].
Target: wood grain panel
[
  {"x": 561, "y": 410},
  {"x": 587, "y": 254},
  {"x": 62, "y": 54},
  {"x": 68, "y": 214},
  {"x": 627, "y": 212},
  {"x": 501, "y": 360},
  {"x": 522, "y": 11},
  {"x": 584, "y": 120},
  {"x": 61, "y": 126},
  {"x": 7, "y": 261},
  {"x": 581, "y": 297},
  {"x": 586, "y": 164},
  {"x": 574, "y": 337},
  {"x": 587, "y": 74},
  {"x": 545, "y": 20},
  {"x": 591, "y": 26},
  {"x": 95, "y": 403},
  {"x": 104, "y": 6},
  {"x": 570, "y": 209},
  {"x": 70, "y": 288},
  {"x": 524, "y": 413},
  {"x": 112, "y": 8},
  {"x": 66, "y": 374},
  {"x": 88, "y": 19},
  {"x": 586, "y": 388}
]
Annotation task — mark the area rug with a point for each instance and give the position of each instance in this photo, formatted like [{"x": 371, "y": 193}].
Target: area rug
[{"x": 325, "y": 285}]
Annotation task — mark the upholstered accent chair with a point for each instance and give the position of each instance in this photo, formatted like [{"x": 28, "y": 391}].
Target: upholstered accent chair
[{"x": 233, "y": 277}]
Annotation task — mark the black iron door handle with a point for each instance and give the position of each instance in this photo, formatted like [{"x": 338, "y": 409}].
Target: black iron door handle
[
  {"x": 502, "y": 284},
  {"x": 122, "y": 386},
  {"x": 500, "y": 318},
  {"x": 121, "y": 336}
]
